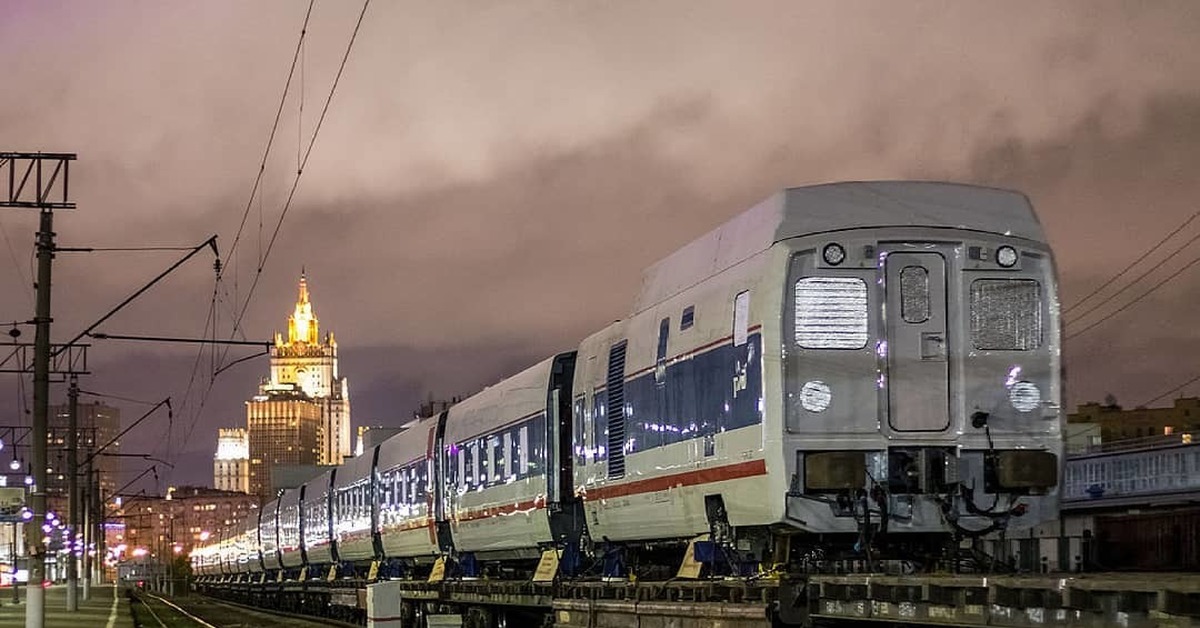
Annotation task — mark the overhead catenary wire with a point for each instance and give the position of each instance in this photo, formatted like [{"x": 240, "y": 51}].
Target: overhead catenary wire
[
  {"x": 1170, "y": 392},
  {"x": 1135, "y": 300},
  {"x": 262, "y": 167},
  {"x": 239, "y": 314},
  {"x": 1133, "y": 282},
  {"x": 300, "y": 171},
  {"x": 1134, "y": 263}
]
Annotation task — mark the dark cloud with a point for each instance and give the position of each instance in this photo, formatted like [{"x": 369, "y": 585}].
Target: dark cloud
[{"x": 490, "y": 181}]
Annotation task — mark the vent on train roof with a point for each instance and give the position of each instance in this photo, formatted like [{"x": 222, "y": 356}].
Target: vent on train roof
[{"x": 616, "y": 410}]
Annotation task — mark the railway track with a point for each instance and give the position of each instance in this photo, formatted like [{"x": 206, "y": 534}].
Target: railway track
[{"x": 195, "y": 611}]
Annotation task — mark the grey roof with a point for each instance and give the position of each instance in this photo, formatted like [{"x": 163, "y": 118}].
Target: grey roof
[{"x": 835, "y": 207}]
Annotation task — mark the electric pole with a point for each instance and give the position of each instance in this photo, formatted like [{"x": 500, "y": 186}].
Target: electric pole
[{"x": 39, "y": 197}]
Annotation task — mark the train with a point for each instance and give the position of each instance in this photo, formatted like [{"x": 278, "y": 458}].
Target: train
[{"x": 857, "y": 370}]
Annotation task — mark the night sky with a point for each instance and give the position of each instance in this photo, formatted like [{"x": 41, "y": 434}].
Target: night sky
[{"x": 491, "y": 178}]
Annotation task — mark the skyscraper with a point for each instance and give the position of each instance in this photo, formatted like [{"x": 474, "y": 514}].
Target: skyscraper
[
  {"x": 301, "y": 414},
  {"x": 98, "y": 425},
  {"x": 231, "y": 464},
  {"x": 311, "y": 363}
]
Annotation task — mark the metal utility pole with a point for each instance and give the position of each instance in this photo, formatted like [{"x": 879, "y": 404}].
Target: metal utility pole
[
  {"x": 38, "y": 198},
  {"x": 87, "y": 505},
  {"x": 73, "y": 492},
  {"x": 35, "y": 599}
]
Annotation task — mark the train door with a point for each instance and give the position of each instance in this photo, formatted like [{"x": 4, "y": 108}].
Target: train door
[
  {"x": 440, "y": 479},
  {"x": 917, "y": 341},
  {"x": 559, "y": 430}
]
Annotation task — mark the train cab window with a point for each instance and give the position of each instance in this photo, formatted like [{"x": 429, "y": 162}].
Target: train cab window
[
  {"x": 831, "y": 313},
  {"x": 688, "y": 318},
  {"x": 914, "y": 294},
  {"x": 1006, "y": 314}
]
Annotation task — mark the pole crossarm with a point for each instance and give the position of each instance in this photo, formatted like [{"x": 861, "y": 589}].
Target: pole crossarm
[
  {"x": 65, "y": 360},
  {"x": 49, "y": 171},
  {"x": 208, "y": 341}
]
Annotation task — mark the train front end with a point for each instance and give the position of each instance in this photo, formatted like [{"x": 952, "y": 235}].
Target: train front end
[{"x": 920, "y": 365}]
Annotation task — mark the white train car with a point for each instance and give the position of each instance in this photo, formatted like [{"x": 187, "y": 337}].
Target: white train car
[
  {"x": 354, "y": 509},
  {"x": 290, "y": 554},
  {"x": 870, "y": 359},
  {"x": 316, "y": 533},
  {"x": 892, "y": 339},
  {"x": 502, "y": 459},
  {"x": 268, "y": 535},
  {"x": 404, "y": 498}
]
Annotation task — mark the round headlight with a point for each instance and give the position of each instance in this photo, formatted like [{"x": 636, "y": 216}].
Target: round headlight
[
  {"x": 1024, "y": 396},
  {"x": 1006, "y": 256},
  {"x": 815, "y": 396},
  {"x": 834, "y": 254}
]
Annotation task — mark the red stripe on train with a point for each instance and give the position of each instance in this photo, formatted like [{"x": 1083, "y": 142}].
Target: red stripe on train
[{"x": 737, "y": 471}]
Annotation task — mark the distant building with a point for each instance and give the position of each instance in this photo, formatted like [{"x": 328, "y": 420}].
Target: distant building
[
  {"x": 284, "y": 427},
  {"x": 369, "y": 437},
  {"x": 231, "y": 463},
  {"x": 97, "y": 425},
  {"x": 1117, "y": 423},
  {"x": 311, "y": 363},
  {"x": 301, "y": 414},
  {"x": 177, "y": 522}
]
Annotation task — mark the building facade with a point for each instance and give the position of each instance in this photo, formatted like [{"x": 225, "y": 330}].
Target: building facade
[
  {"x": 177, "y": 522},
  {"x": 1116, "y": 423},
  {"x": 231, "y": 463},
  {"x": 97, "y": 425},
  {"x": 284, "y": 429}
]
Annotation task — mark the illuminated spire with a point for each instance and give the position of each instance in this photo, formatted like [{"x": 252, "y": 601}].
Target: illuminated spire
[{"x": 302, "y": 324}]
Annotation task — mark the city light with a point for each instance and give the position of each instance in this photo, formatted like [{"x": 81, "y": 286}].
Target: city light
[
  {"x": 204, "y": 535},
  {"x": 15, "y": 465}
]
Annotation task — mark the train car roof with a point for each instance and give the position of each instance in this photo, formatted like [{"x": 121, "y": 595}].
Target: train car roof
[
  {"x": 836, "y": 207},
  {"x": 517, "y": 397}
]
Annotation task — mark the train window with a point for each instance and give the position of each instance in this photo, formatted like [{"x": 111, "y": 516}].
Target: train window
[
  {"x": 462, "y": 467},
  {"x": 688, "y": 318},
  {"x": 741, "y": 318},
  {"x": 1006, "y": 314},
  {"x": 831, "y": 313},
  {"x": 510, "y": 470},
  {"x": 914, "y": 294},
  {"x": 495, "y": 458},
  {"x": 523, "y": 450}
]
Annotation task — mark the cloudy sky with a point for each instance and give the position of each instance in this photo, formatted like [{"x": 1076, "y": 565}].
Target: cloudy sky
[{"x": 491, "y": 177}]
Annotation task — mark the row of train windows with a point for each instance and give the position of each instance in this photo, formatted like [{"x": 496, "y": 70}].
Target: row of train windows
[
  {"x": 404, "y": 486},
  {"x": 353, "y": 501},
  {"x": 832, "y": 312},
  {"x": 512, "y": 454}
]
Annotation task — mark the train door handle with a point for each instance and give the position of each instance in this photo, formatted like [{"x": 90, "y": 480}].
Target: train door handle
[{"x": 933, "y": 346}]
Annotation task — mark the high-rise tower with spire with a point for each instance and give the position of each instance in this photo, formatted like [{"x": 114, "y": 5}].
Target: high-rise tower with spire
[
  {"x": 301, "y": 414},
  {"x": 311, "y": 363}
]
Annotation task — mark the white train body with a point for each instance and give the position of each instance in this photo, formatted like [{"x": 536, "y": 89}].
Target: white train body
[
  {"x": 404, "y": 501},
  {"x": 881, "y": 348}
]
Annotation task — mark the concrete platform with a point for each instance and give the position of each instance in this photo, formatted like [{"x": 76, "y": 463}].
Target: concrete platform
[{"x": 108, "y": 608}]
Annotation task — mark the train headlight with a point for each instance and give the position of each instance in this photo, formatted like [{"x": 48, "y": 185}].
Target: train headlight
[
  {"x": 1024, "y": 396},
  {"x": 834, "y": 254},
  {"x": 815, "y": 396},
  {"x": 1006, "y": 256}
]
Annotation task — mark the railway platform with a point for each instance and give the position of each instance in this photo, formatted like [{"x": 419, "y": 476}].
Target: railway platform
[{"x": 107, "y": 608}]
